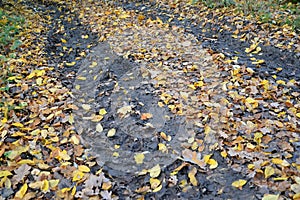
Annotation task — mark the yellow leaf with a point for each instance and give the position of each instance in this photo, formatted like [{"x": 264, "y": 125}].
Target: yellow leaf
[
  {"x": 192, "y": 177},
  {"x": 154, "y": 171},
  {"x": 102, "y": 111},
  {"x": 77, "y": 87},
  {"x": 139, "y": 158},
  {"x": 53, "y": 183},
  {"x": 25, "y": 161},
  {"x": 20, "y": 194},
  {"x": 71, "y": 64},
  {"x": 73, "y": 192},
  {"x": 82, "y": 78},
  {"x": 94, "y": 64},
  {"x": 258, "y": 62},
  {"x": 280, "y": 82},
  {"x": 63, "y": 40},
  {"x": 269, "y": 171},
  {"x": 239, "y": 183},
  {"x": 63, "y": 155},
  {"x": 154, "y": 182},
  {"x": 77, "y": 175},
  {"x": 207, "y": 129},
  {"x": 45, "y": 186},
  {"x": 83, "y": 168},
  {"x": 213, "y": 163},
  {"x": 5, "y": 173},
  {"x": 99, "y": 128},
  {"x": 85, "y": 36},
  {"x": 162, "y": 147},
  {"x": 252, "y": 47},
  {"x": 106, "y": 185},
  {"x": 157, "y": 189},
  {"x": 18, "y": 124},
  {"x": 224, "y": 154},
  {"x": 270, "y": 197},
  {"x": 86, "y": 107},
  {"x": 111, "y": 132},
  {"x": 36, "y": 185},
  {"x": 65, "y": 190},
  {"x": 74, "y": 140},
  {"x": 277, "y": 161},
  {"x": 199, "y": 84},
  {"x": 116, "y": 154},
  {"x": 298, "y": 115}
]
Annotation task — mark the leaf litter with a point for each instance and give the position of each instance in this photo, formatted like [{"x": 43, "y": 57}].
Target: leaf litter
[{"x": 251, "y": 124}]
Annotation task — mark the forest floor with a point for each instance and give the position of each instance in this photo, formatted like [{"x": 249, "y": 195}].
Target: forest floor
[{"x": 149, "y": 100}]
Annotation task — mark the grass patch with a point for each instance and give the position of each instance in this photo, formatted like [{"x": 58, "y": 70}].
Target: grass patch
[{"x": 279, "y": 12}]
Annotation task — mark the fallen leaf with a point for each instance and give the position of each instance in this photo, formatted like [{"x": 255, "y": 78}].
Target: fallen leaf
[
  {"x": 269, "y": 171},
  {"x": 192, "y": 177},
  {"x": 99, "y": 128},
  {"x": 239, "y": 183},
  {"x": 270, "y": 197},
  {"x": 20, "y": 194},
  {"x": 146, "y": 116},
  {"x": 139, "y": 158},
  {"x": 111, "y": 132},
  {"x": 154, "y": 171}
]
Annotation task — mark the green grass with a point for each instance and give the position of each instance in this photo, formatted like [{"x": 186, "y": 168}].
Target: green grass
[
  {"x": 278, "y": 12},
  {"x": 10, "y": 26}
]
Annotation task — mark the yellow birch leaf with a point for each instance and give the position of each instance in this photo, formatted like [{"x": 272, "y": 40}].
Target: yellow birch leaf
[
  {"x": 86, "y": 107},
  {"x": 269, "y": 171},
  {"x": 5, "y": 173},
  {"x": 73, "y": 192},
  {"x": 99, "y": 128},
  {"x": 116, "y": 154},
  {"x": 45, "y": 186},
  {"x": 106, "y": 185},
  {"x": 18, "y": 124},
  {"x": 139, "y": 158},
  {"x": 82, "y": 78},
  {"x": 157, "y": 189},
  {"x": 74, "y": 140},
  {"x": 20, "y": 194},
  {"x": 71, "y": 64},
  {"x": 224, "y": 154},
  {"x": 192, "y": 177},
  {"x": 207, "y": 129},
  {"x": 77, "y": 87},
  {"x": 83, "y": 168},
  {"x": 77, "y": 175},
  {"x": 270, "y": 197},
  {"x": 162, "y": 147},
  {"x": 155, "y": 171},
  {"x": 26, "y": 161},
  {"x": 63, "y": 40},
  {"x": 213, "y": 164},
  {"x": 65, "y": 190},
  {"x": 111, "y": 132},
  {"x": 298, "y": 115},
  {"x": 39, "y": 81},
  {"x": 239, "y": 183},
  {"x": 102, "y": 111},
  {"x": 53, "y": 183},
  {"x": 206, "y": 158},
  {"x": 277, "y": 161},
  {"x": 296, "y": 196},
  {"x": 154, "y": 183}
]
